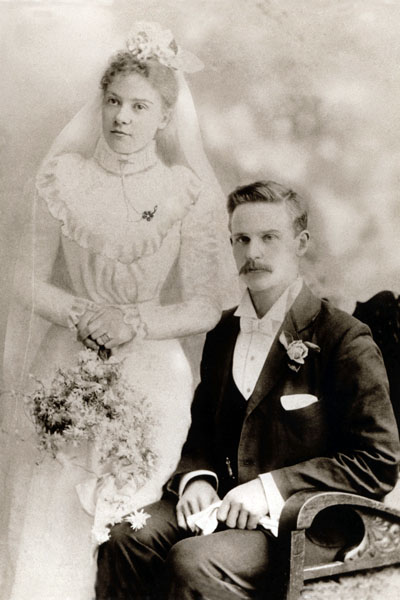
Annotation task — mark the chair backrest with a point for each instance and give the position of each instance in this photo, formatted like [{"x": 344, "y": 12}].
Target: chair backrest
[{"x": 382, "y": 314}]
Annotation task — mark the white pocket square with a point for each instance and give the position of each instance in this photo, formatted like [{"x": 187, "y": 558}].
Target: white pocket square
[{"x": 295, "y": 401}]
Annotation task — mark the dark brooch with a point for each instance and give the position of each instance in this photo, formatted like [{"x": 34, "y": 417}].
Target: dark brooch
[{"x": 147, "y": 215}]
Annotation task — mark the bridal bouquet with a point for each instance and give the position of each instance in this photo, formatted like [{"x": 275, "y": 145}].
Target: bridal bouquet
[{"x": 92, "y": 402}]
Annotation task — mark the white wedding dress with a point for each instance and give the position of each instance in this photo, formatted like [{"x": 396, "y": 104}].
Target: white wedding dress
[{"x": 88, "y": 213}]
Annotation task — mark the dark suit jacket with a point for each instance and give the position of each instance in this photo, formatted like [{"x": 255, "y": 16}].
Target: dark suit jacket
[{"x": 346, "y": 441}]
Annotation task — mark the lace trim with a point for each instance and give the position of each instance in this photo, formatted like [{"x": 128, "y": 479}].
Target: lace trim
[
  {"x": 79, "y": 307},
  {"x": 131, "y": 316},
  {"x": 138, "y": 243}
]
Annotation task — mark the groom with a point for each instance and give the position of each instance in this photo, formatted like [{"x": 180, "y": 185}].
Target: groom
[{"x": 293, "y": 396}]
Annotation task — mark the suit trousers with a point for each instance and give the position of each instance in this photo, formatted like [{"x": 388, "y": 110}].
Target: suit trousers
[{"x": 162, "y": 561}]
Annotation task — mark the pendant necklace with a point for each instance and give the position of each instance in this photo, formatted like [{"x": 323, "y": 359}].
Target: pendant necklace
[{"x": 145, "y": 215}]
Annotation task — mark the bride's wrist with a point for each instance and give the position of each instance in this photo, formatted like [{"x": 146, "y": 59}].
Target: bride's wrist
[
  {"x": 131, "y": 317},
  {"x": 77, "y": 310}
]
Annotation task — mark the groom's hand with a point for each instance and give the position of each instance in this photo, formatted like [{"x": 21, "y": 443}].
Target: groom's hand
[
  {"x": 198, "y": 495},
  {"x": 243, "y": 506}
]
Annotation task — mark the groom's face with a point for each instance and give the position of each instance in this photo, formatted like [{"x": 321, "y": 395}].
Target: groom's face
[{"x": 265, "y": 245}]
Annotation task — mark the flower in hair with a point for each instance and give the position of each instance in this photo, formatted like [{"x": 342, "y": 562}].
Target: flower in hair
[
  {"x": 148, "y": 40},
  {"x": 297, "y": 351}
]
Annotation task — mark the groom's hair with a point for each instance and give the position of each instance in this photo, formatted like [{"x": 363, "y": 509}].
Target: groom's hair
[{"x": 270, "y": 191}]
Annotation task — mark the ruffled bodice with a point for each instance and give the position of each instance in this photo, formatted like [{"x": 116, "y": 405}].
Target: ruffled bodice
[
  {"x": 111, "y": 258},
  {"x": 98, "y": 210},
  {"x": 95, "y": 211}
]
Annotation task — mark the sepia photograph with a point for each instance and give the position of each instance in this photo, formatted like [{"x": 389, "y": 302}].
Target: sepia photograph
[{"x": 200, "y": 300}]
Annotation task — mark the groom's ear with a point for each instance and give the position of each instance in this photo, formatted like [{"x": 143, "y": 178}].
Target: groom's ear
[{"x": 302, "y": 242}]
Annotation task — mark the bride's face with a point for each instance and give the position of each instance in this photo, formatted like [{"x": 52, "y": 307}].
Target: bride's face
[{"x": 133, "y": 112}]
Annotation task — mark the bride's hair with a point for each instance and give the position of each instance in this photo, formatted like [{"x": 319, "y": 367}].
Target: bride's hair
[{"x": 162, "y": 78}]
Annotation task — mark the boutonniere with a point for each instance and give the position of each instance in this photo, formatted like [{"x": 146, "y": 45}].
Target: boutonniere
[{"x": 297, "y": 351}]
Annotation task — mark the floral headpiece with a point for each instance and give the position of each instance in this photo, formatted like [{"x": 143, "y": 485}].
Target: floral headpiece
[{"x": 148, "y": 40}]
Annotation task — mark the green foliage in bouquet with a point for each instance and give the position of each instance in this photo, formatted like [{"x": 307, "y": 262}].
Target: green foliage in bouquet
[{"x": 92, "y": 402}]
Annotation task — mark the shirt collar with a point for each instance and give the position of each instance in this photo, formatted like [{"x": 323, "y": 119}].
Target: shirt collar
[
  {"x": 278, "y": 310},
  {"x": 125, "y": 164}
]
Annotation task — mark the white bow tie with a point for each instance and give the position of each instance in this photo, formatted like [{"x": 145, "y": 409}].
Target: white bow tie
[{"x": 266, "y": 327}]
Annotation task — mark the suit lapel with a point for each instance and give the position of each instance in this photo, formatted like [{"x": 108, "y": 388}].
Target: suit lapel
[
  {"x": 304, "y": 310},
  {"x": 302, "y": 313},
  {"x": 226, "y": 354}
]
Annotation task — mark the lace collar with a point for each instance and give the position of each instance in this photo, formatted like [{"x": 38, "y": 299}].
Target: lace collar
[
  {"x": 131, "y": 163},
  {"x": 69, "y": 184}
]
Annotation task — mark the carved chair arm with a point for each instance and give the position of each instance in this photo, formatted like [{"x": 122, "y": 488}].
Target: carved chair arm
[
  {"x": 301, "y": 508},
  {"x": 378, "y": 544}
]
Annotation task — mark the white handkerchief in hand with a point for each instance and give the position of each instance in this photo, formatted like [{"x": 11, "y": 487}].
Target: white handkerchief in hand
[
  {"x": 206, "y": 522},
  {"x": 269, "y": 524},
  {"x": 296, "y": 401}
]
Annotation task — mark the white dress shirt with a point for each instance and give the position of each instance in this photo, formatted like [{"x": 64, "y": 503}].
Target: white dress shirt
[
  {"x": 257, "y": 335},
  {"x": 251, "y": 350}
]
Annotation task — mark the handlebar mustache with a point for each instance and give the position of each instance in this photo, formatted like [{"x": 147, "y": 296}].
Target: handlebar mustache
[{"x": 251, "y": 266}]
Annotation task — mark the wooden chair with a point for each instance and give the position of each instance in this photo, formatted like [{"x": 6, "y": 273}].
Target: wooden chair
[{"x": 375, "y": 526}]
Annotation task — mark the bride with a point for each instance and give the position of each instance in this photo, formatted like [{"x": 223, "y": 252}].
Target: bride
[{"x": 125, "y": 204}]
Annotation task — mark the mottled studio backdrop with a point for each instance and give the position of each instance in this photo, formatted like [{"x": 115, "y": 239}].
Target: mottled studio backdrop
[{"x": 305, "y": 92}]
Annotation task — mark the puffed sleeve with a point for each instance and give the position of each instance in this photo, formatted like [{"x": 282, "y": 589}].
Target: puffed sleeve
[
  {"x": 207, "y": 275},
  {"x": 33, "y": 274}
]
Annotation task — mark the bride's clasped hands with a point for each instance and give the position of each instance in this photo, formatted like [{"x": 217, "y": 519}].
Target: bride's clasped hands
[{"x": 105, "y": 327}]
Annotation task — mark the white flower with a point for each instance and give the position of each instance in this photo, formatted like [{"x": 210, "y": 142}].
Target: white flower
[
  {"x": 148, "y": 40},
  {"x": 86, "y": 355},
  {"x": 137, "y": 519},
  {"x": 297, "y": 351},
  {"x": 100, "y": 534}
]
